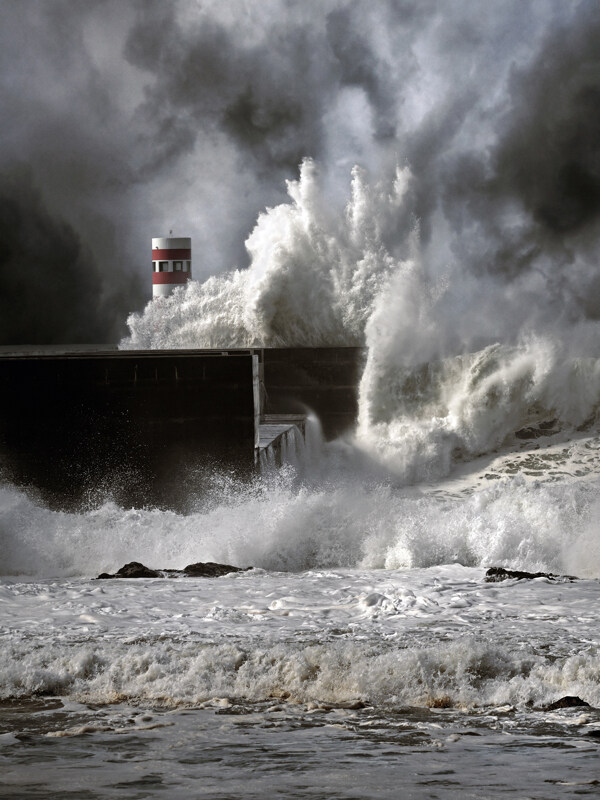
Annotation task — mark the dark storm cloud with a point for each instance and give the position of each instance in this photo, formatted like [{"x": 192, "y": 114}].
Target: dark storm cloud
[
  {"x": 358, "y": 62},
  {"x": 268, "y": 97},
  {"x": 269, "y": 92},
  {"x": 64, "y": 166},
  {"x": 530, "y": 199},
  {"x": 549, "y": 154},
  {"x": 51, "y": 290}
]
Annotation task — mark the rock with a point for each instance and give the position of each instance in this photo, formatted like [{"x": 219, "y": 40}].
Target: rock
[
  {"x": 569, "y": 701},
  {"x": 595, "y": 734},
  {"x": 136, "y": 570},
  {"x": 206, "y": 569},
  {"x": 497, "y": 574},
  {"x": 132, "y": 570},
  {"x": 209, "y": 569}
]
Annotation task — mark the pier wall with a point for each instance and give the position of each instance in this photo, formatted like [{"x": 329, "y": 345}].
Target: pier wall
[
  {"x": 323, "y": 380},
  {"x": 154, "y": 427},
  {"x": 139, "y": 426}
]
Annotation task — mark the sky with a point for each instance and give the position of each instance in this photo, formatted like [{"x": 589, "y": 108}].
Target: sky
[{"x": 124, "y": 119}]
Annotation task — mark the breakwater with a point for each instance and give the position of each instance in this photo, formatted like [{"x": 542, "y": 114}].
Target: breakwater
[{"x": 148, "y": 426}]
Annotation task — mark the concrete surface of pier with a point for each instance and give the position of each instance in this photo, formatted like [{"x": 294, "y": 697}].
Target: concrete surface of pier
[{"x": 153, "y": 427}]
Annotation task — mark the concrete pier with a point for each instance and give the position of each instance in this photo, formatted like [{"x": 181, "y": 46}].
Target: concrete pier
[
  {"x": 138, "y": 426},
  {"x": 278, "y": 434},
  {"x": 323, "y": 380},
  {"x": 154, "y": 427}
]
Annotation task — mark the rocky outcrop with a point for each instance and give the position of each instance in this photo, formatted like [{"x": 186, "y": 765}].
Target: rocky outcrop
[
  {"x": 497, "y": 574},
  {"x": 132, "y": 570},
  {"x": 569, "y": 701},
  {"x": 207, "y": 569}
]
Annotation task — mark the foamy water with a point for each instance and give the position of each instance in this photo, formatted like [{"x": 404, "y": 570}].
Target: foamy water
[
  {"x": 366, "y": 621},
  {"x": 534, "y": 509}
]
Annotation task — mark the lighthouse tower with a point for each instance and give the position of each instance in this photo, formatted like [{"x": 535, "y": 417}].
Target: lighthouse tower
[{"x": 171, "y": 264}]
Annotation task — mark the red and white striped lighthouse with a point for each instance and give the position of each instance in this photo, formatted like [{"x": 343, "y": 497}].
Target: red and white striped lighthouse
[{"x": 171, "y": 264}]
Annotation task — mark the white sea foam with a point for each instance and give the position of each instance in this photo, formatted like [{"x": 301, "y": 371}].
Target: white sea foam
[
  {"x": 424, "y": 637},
  {"x": 464, "y": 673},
  {"x": 498, "y": 514},
  {"x": 419, "y": 418},
  {"x": 313, "y": 277}
]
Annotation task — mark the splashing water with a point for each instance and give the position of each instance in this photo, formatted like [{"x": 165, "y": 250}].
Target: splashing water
[
  {"x": 313, "y": 278},
  {"x": 456, "y": 364}
]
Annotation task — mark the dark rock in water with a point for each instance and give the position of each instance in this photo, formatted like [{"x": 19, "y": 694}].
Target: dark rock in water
[
  {"x": 136, "y": 570},
  {"x": 569, "y": 701},
  {"x": 497, "y": 574},
  {"x": 209, "y": 569},
  {"x": 594, "y": 734},
  {"x": 206, "y": 569},
  {"x": 132, "y": 570}
]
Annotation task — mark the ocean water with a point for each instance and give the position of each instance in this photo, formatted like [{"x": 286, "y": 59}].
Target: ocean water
[
  {"x": 363, "y": 652},
  {"x": 364, "y": 655}
]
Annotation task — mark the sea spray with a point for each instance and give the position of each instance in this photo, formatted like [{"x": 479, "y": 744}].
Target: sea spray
[
  {"x": 314, "y": 274},
  {"x": 283, "y": 522},
  {"x": 421, "y": 419},
  {"x": 457, "y": 363}
]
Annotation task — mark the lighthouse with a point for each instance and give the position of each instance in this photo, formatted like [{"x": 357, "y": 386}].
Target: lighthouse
[{"x": 171, "y": 264}]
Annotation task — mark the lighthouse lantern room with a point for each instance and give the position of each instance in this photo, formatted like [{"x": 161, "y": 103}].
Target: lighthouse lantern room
[{"x": 171, "y": 264}]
